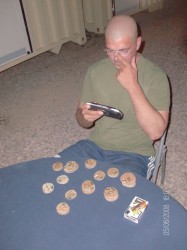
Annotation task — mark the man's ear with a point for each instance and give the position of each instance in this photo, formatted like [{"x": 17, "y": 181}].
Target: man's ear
[{"x": 138, "y": 43}]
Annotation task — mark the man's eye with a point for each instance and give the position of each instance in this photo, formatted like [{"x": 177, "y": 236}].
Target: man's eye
[{"x": 124, "y": 50}]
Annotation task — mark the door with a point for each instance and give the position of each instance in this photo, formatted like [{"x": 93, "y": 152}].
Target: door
[{"x": 14, "y": 41}]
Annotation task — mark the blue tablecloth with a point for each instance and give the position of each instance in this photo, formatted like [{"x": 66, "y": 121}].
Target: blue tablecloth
[{"x": 29, "y": 221}]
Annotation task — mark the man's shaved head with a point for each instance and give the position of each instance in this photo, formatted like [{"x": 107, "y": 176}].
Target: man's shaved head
[{"x": 120, "y": 27}]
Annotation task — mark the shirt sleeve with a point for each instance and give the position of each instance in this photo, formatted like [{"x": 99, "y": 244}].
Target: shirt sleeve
[
  {"x": 159, "y": 92},
  {"x": 87, "y": 90}
]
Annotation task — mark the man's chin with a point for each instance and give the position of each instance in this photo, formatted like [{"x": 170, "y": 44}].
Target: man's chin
[{"x": 116, "y": 64}]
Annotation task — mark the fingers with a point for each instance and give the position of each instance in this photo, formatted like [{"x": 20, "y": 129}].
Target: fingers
[
  {"x": 90, "y": 115},
  {"x": 122, "y": 62},
  {"x": 134, "y": 62}
]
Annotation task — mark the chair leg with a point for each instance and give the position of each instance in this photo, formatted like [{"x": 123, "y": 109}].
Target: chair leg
[{"x": 163, "y": 170}]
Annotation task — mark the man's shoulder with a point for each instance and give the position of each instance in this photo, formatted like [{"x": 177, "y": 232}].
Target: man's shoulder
[
  {"x": 99, "y": 65},
  {"x": 149, "y": 65}
]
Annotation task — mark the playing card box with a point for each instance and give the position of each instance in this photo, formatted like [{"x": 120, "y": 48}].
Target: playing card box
[{"x": 136, "y": 209}]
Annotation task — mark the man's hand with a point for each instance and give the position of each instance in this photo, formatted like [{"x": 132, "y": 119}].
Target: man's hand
[
  {"x": 86, "y": 117},
  {"x": 127, "y": 72}
]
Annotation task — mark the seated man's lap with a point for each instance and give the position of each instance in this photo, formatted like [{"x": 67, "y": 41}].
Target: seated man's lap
[{"x": 86, "y": 149}]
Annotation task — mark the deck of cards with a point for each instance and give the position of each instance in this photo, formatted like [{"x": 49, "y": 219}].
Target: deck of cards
[{"x": 136, "y": 209}]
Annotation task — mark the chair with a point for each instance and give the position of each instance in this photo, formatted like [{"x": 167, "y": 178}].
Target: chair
[{"x": 160, "y": 159}]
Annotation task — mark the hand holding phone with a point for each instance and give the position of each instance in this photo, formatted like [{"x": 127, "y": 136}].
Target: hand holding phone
[{"x": 107, "y": 110}]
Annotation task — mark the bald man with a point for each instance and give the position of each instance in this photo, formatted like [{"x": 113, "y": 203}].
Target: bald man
[{"x": 139, "y": 88}]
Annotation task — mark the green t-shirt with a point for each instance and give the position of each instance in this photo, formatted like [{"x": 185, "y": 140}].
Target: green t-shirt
[{"x": 101, "y": 86}]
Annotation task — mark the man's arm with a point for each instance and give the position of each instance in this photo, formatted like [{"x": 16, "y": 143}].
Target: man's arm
[
  {"x": 152, "y": 121},
  {"x": 85, "y": 117}
]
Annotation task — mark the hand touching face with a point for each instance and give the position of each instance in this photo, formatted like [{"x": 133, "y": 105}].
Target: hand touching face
[{"x": 126, "y": 71}]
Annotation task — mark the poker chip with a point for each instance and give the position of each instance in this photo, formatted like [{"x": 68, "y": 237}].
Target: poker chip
[
  {"x": 128, "y": 179},
  {"x": 57, "y": 166},
  {"x": 99, "y": 175},
  {"x": 113, "y": 172},
  {"x": 71, "y": 166},
  {"x": 71, "y": 194},
  {"x": 90, "y": 163},
  {"x": 88, "y": 187},
  {"x": 63, "y": 208},
  {"x": 111, "y": 194},
  {"x": 48, "y": 188},
  {"x": 62, "y": 179}
]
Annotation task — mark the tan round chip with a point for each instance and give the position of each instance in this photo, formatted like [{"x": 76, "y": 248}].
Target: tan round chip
[
  {"x": 71, "y": 166},
  {"x": 111, "y": 194},
  {"x": 113, "y": 172},
  {"x": 62, "y": 179},
  {"x": 88, "y": 187},
  {"x": 99, "y": 175},
  {"x": 71, "y": 194},
  {"x": 128, "y": 179},
  {"x": 57, "y": 166},
  {"x": 90, "y": 163},
  {"x": 47, "y": 187},
  {"x": 63, "y": 208}
]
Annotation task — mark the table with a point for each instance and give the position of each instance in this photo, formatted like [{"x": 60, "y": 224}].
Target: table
[{"x": 28, "y": 218}]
